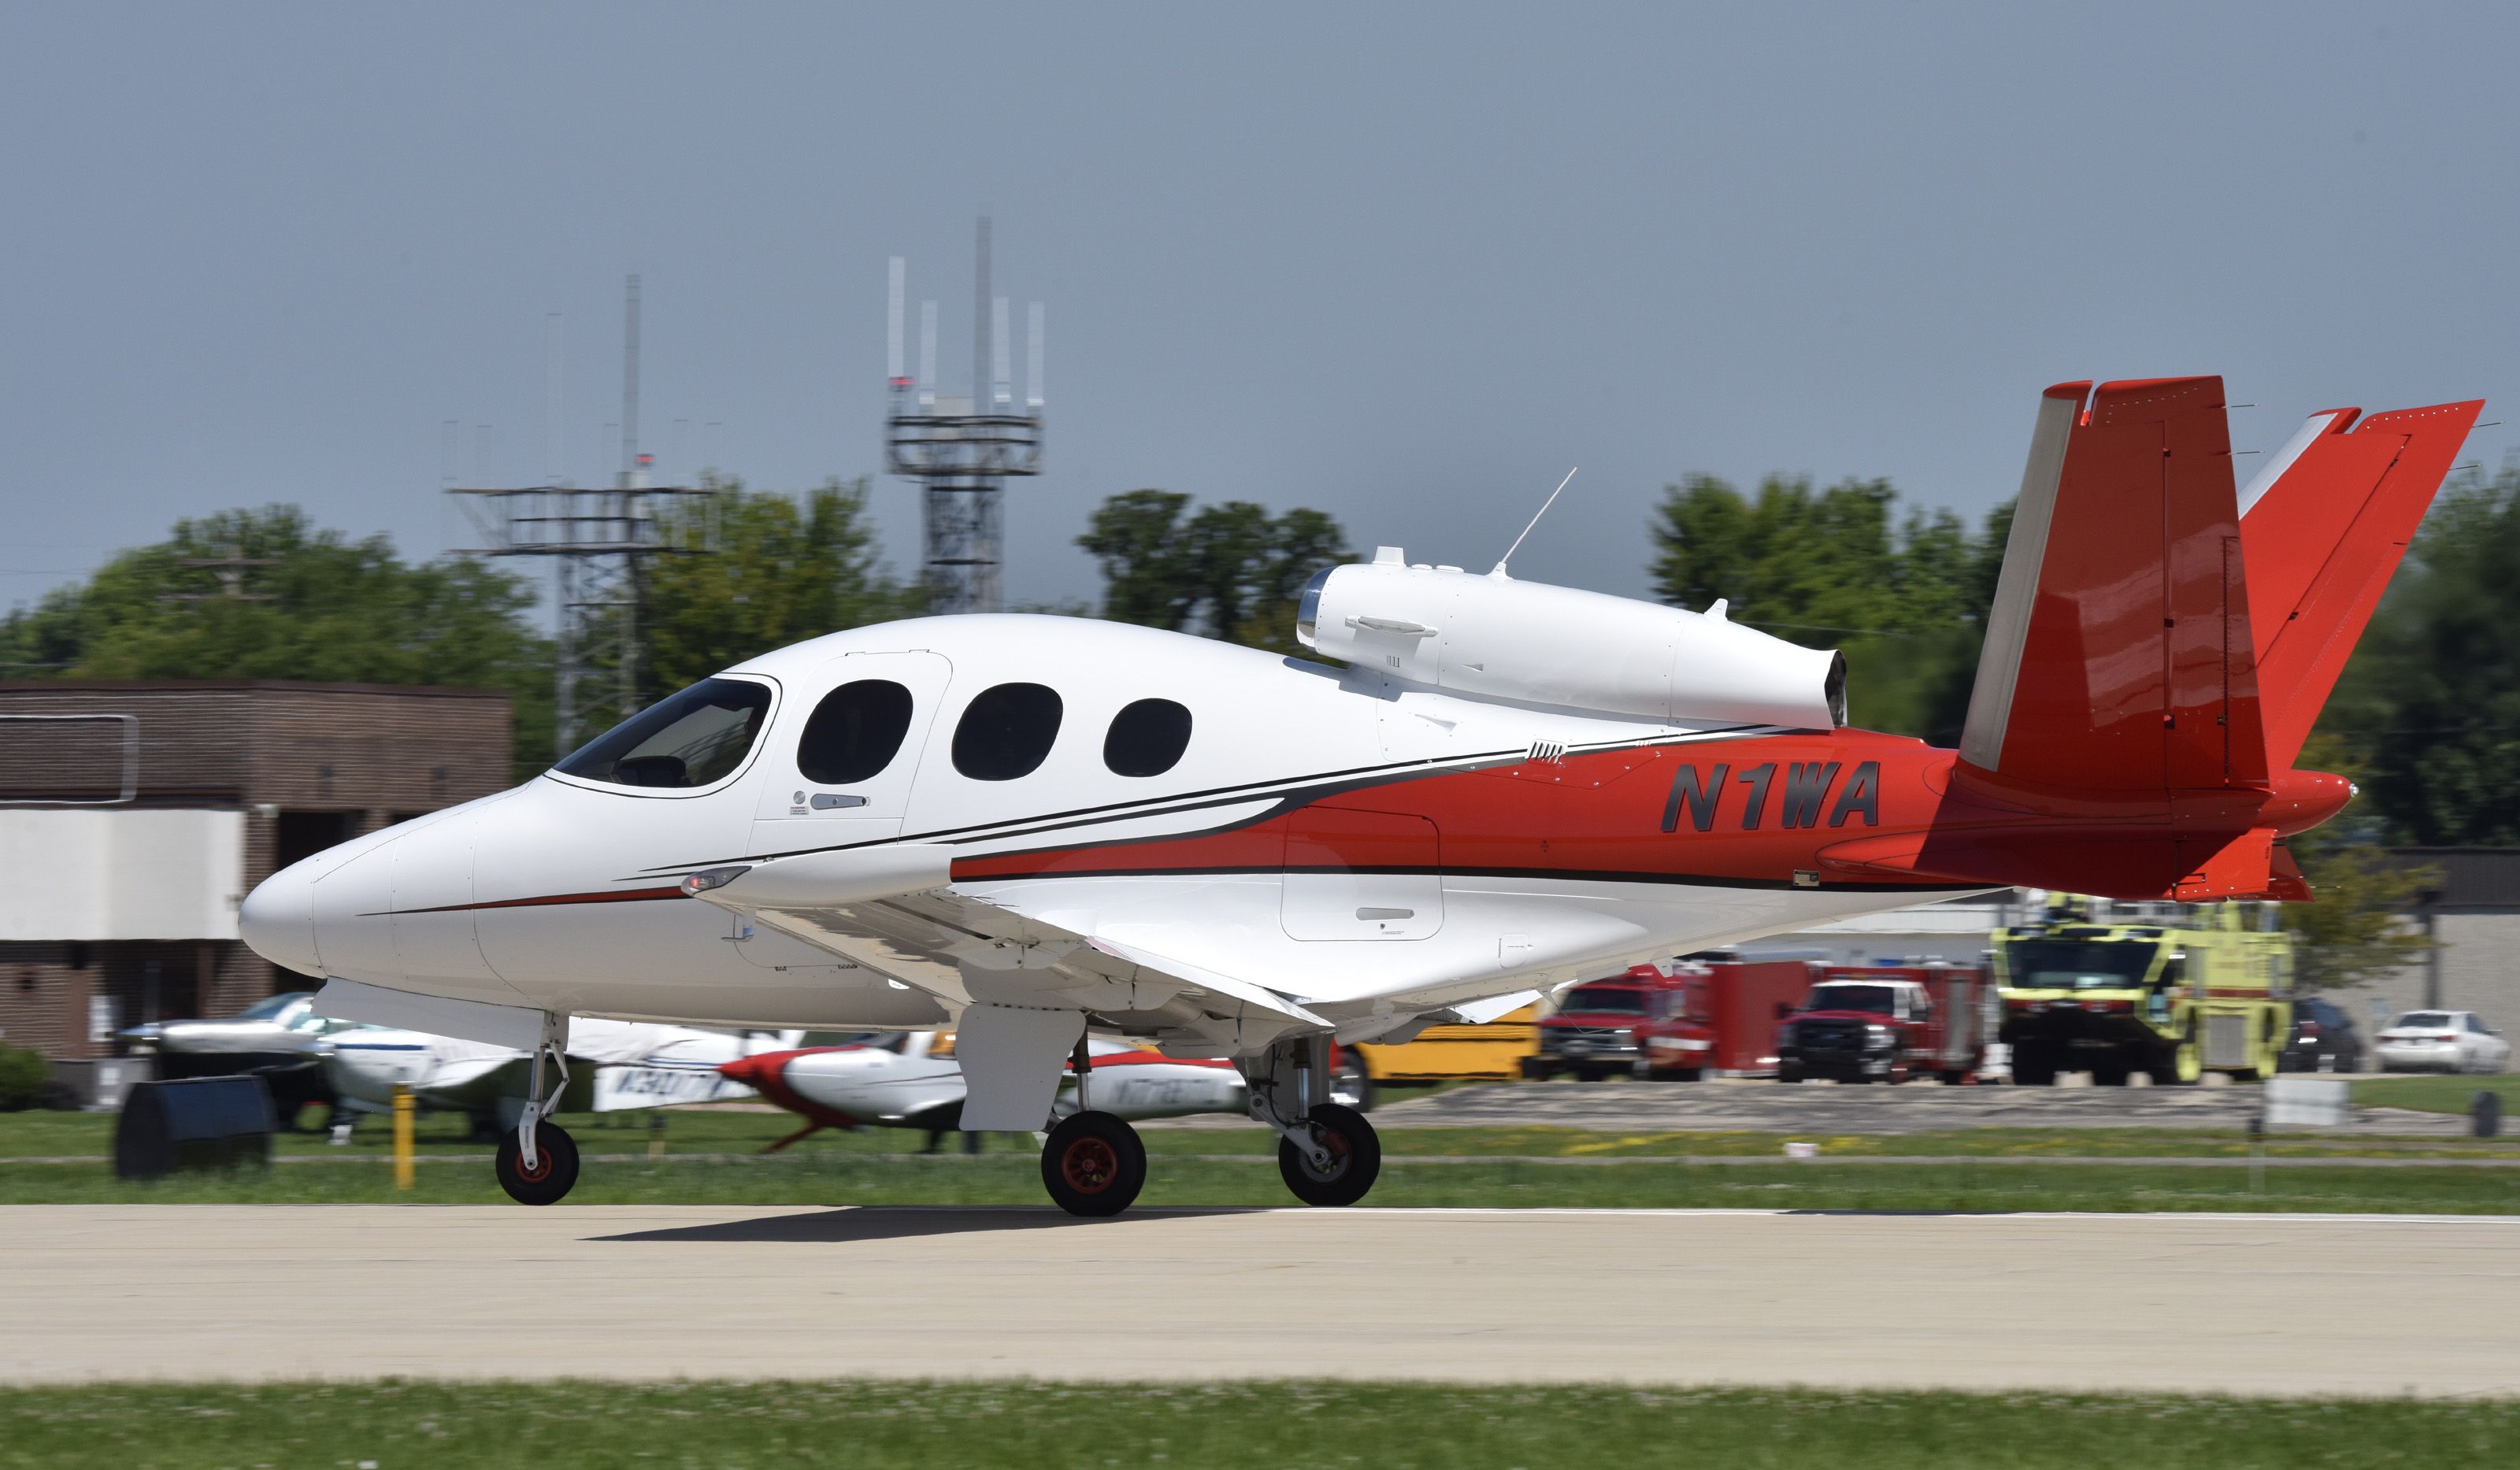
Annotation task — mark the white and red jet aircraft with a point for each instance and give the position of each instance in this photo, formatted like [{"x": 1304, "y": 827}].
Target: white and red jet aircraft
[{"x": 1032, "y": 828}]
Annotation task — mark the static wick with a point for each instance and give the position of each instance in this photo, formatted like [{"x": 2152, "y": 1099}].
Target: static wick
[{"x": 1535, "y": 520}]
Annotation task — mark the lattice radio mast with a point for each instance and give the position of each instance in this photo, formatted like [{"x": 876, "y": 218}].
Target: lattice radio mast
[
  {"x": 963, "y": 450},
  {"x": 597, "y": 541}
]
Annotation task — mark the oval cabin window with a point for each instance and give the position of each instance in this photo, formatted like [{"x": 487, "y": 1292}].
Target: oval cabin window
[
  {"x": 1147, "y": 738},
  {"x": 855, "y": 733},
  {"x": 1006, "y": 731}
]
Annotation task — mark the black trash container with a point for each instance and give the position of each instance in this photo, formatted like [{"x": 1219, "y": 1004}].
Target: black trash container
[{"x": 199, "y": 1123}]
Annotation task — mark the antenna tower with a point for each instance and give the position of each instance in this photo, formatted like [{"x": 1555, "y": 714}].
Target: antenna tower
[
  {"x": 599, "y": 540},
  {"x": 961, "y": 450}
]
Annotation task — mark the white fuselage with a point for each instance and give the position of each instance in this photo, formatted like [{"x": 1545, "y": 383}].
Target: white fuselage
[{"x": 560, "y": 895}]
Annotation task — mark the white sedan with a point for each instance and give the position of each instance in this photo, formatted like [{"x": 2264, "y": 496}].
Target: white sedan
[{"x": 2442, "y": 1041}]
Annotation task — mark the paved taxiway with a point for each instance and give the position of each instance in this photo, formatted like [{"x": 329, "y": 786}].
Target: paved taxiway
[{"x": 2251, "y": 1304}]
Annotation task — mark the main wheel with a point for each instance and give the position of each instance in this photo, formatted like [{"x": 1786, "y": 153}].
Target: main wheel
[
  {"x": 1093, "y": 1165},
  {"x": 555, "y": 1171},
  {"x": 1356, "y": 1157}
]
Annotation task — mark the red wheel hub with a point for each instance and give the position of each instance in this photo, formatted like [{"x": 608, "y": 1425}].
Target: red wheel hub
[
  {"x": 1089, "y": 1166},
  {"x": 541, "y": 1170}
]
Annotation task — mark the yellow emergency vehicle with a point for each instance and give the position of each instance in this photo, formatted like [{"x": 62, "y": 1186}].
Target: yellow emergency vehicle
[{"x": 2173, "y": 997}]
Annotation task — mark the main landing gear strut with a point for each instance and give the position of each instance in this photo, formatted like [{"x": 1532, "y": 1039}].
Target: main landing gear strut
[
  {"x": 537, "y": 1162},
  {"x": 1093, "y": 1164}
]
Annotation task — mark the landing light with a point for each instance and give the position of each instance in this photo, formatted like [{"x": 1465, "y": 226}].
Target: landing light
[{"x": 713, "y": 878}]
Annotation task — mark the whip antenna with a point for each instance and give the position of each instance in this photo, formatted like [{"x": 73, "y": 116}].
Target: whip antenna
[{"x": 1535, "y": 520}]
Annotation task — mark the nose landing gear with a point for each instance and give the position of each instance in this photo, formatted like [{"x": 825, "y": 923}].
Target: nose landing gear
[{"x": 537, "y": 1163}]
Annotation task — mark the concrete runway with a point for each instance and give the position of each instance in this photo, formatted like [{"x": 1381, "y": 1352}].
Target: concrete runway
[{"x": 2247, "y": 1304}]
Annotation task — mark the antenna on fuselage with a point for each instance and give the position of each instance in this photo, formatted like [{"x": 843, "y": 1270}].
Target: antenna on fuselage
[{"x": 1535, "y": 520}]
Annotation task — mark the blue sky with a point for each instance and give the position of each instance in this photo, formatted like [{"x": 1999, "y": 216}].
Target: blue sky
[{"x": 1403, "y": 264}]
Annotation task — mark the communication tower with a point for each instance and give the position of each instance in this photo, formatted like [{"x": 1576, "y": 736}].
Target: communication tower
[
  {"x": 963, "y": 450},
  {"x": 599, "y": 541}
]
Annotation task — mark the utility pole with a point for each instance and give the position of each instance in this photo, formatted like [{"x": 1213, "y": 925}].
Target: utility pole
[
  {"x": 599, "y": 541},
  {"x": 963, "y": 450}
]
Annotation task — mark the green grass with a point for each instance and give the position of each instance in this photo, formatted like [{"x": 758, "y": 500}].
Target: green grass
[
  {"x": 1049, "y": 1426},
  {"x": 2439, "y": 1095},
  {"x": 1014, "y": 1178},
  {"x": 692, "y": 1131}
]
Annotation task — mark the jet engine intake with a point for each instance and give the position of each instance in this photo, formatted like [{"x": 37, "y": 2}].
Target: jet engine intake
[{"x": 1496, "y": 636}]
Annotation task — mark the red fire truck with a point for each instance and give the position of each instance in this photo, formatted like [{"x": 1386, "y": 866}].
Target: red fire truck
[
  {"x": 1887, "y": 1023},
  {"x": 1719, "y": 1016}
]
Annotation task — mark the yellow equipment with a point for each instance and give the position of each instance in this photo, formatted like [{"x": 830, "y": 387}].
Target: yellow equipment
[
  {"x": 2117, "y": 995},
  {"x": 1488, "y": 1052}
]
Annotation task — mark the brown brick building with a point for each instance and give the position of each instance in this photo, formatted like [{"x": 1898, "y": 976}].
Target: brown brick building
[{"x": 135, "y": 817}]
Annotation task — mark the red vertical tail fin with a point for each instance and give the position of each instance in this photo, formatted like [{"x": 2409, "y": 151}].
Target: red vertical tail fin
[
  {"x": 2119, "y": 656},
  {"x": 2324, "y": 525}
]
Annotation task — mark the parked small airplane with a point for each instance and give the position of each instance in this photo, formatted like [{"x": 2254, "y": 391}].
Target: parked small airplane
[
  {"x": 621, "y": 1065},
  {"x": 1035, "y": 828},
  {"x": 281, "y": 1037},
  {"x": 910, "y": 1079}
]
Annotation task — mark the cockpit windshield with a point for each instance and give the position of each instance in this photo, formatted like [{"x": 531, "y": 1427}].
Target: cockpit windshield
[{"x": 693, "y": 738}]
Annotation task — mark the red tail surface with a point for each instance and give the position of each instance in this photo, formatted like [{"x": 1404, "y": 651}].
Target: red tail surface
[
  {"x": 2325, "y": 527},
  {"x": 2161, "y": 644},
  {"x": 2119, "y": 656}
]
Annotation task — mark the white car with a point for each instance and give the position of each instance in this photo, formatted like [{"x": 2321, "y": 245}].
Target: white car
[{"x": 2442, "y": 1041}]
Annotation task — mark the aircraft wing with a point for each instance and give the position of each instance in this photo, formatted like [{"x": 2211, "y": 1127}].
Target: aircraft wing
[{"x": 1206, "y": 954}]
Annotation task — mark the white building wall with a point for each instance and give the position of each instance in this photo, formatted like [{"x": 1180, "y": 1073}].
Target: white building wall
[{"x": 88, "y": 875}]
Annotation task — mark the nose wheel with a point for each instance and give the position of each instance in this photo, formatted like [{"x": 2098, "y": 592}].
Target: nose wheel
[
  {"x": 1343, "y": 1164},
  {"x": 553, "y": 1172},
  {"x": 1093, "y": 1165}
]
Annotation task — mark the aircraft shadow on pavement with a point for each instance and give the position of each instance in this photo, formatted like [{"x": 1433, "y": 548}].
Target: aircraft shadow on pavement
[{"x": 898, "y": 1222}]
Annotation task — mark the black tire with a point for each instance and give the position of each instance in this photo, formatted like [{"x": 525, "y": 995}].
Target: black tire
[
  {"x": 2033, "y": 1069},
  {"x": 1355, "y": 1153},
  {"x": 2110, "y": 1075},
  {"x": 1588, "y": 1073},
  {"x": 1351, "y": 1086},
  {"x": 1687, "y": 1073},
  {"x": 1789, "y": 1072},
  {"x": 555, "y": 1165},
  {"x": 1093, "y": 1165},
  {"x": 1953, "y": 1079},
  {"x": 1536, "y": 1070}
]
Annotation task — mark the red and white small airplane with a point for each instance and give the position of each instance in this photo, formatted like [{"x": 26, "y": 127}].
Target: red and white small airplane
[
  {"x": 910, "y": 1079},
  {"x": 1033, "y": 828}
]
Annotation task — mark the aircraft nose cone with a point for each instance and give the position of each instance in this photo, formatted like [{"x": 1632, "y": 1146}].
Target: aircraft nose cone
[{"x": 278, "y": 920}]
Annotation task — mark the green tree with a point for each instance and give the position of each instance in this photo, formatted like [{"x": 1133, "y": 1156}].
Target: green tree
[
  {"x": 321, "y": 608},
  {"x": 1905, "y": 599},
  {"x": 781, "y": 568},
  {"x": 1148, "y": 577},
  {"x": 1231, "y": 571},
  {"x": 2358, "y": 925}
]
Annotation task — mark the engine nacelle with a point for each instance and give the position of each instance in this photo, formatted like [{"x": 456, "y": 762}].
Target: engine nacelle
[{"x": 1509, "y": 640}]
